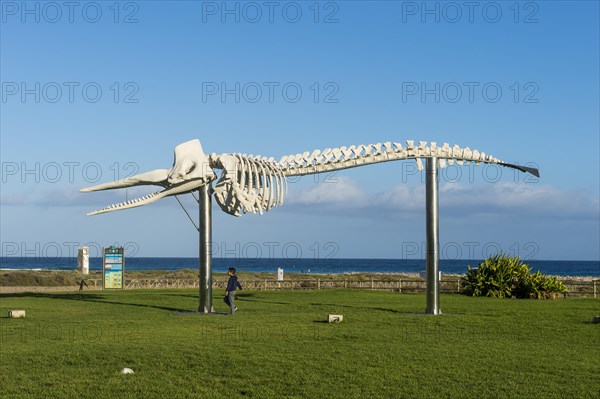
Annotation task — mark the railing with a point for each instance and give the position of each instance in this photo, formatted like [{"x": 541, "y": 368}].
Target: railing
[
  {"x": 160, "y": 283},
  {"x": 400, "y": 285},
  {"x": 412, "y": 285},
  {"x": 582, "y": 288}
]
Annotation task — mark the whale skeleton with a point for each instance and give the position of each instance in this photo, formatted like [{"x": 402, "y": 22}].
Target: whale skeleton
[{"x": 254, "y": 183}]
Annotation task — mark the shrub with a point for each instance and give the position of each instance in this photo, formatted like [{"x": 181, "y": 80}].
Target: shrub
[
  {"x": 502, "y": 276},
  {"x": 539, "y": 286}
]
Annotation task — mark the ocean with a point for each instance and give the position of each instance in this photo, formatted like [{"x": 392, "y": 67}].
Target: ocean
[{"x": 302, "y": 265}]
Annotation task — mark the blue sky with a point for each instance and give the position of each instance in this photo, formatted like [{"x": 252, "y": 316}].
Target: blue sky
[{"x": 100, "y": 90}]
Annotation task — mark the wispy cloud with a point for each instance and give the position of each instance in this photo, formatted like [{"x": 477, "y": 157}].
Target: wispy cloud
[
  {"x": 67, "y": 196},
  {"x": 534, "y": 199},
  {"x": 14, "y": 199},
  {"x": 461, "y": 199},
  {"x": 342, "y": 192},
  {"x": 456, "y": 199}
]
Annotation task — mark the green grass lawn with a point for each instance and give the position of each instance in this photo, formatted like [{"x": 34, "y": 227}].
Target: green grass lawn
[{"x": 74, "y": 345}]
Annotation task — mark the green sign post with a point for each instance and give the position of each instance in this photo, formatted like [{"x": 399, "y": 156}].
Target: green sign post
[{"x": 113, "y": 268}]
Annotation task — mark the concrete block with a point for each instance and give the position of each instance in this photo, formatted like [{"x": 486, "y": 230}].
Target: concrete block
[
  {"x": 15, "y": 314},
  {"x": 335, "y": 318}
]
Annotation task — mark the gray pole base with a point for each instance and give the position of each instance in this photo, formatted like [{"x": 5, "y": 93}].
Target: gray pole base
[
  {"x": 205, "y": 250},
  {"x": 433, "y": 234}
]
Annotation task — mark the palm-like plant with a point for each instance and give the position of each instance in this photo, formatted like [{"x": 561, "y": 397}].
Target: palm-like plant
[{"x": 502, "y": 276}]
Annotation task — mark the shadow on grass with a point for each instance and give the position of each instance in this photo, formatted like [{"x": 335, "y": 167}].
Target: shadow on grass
[
  {"x": 243, "y": 295},
  {"x": 85, "y": 298},
  {"x": 245, "y": 299},
  {"x": 367, "y": 308},
  {"x": 183, "y": 295},
  {"x": 239, "y": 297}
]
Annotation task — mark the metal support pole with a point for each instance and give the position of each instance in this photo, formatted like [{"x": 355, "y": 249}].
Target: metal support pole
[
  {"x": 187, "y": 213},
  {"x": 433, "y": 234},
  {"x": 205, "y": 250}
]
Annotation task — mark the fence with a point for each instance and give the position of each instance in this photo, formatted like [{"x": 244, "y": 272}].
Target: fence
[{"x": 574, "y": 287}]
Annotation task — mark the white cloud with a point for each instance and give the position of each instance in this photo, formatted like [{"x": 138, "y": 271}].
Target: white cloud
[
  {"x": 14, "y": 199},
  {"x": 513, "y": 197},
  {"x": 458, "y": 199},
  {"x": 343, "y": 191},
  {"x": 402, "y": 197},
  {"x": 67, "y": 196},
  {"x": 464, "y": 199}
]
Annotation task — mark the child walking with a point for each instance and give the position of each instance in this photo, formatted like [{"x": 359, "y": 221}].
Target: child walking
[{"x": 232, "y": 285}]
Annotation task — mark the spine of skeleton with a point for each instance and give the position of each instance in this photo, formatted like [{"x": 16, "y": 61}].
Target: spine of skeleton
[{"x": 359, "y": 155}]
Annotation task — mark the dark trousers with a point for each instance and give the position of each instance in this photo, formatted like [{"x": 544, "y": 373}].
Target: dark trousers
[{"x": 230, "y": 301}]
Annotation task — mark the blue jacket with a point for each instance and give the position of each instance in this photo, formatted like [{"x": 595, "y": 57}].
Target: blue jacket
[{"x": 233, "y": 283}]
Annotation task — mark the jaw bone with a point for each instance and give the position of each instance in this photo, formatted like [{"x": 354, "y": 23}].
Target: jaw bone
[
  {"x": 180, "y": 188},
  {"x": 190, "y": 171},
  {"x": 156, "y": 177}
]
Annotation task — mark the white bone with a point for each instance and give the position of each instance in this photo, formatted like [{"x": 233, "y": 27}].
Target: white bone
[
  {"x": 377, "y": 148},
  {"x": 467, "y": 153},
  {"x": 251, "y": 178},
  {"x": 456, "y": 151},
  {"x": 271, "y": 188},
  {"x": 337, "y": 154},
  {"x": 351, "y": 151},
  {"x": 241, "y": 171},
  {"x": 298, "y": 159},
  {"x": 246, "y": 187},
  {"x": 313, "y": 157},
  {"x": 272, "y": 185},
  {"x": 264, "y": 188},
  {"x": 305, "y": 157},
  {"x": 286, "y": 187},
  {"x": 446, "y": 150},
  {"x": 410, "y": 148},
  {"x": 360, "y": 150},
  {"x": 419, "y": 164},
  {"x": 347, "y": 152}
]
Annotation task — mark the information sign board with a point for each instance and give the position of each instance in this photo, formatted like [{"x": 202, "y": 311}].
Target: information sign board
[{"x": 113, "y": 268}]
